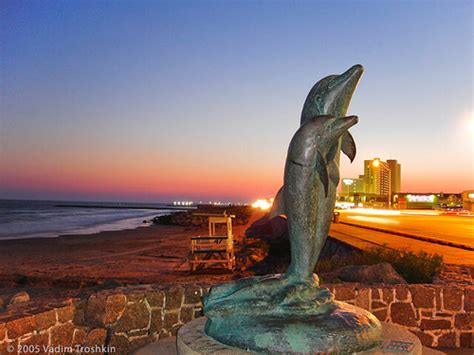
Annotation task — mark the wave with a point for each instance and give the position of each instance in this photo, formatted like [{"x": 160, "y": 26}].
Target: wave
[{"x": 40, "y": 219}]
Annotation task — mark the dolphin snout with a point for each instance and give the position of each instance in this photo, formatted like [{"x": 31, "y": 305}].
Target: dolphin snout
[
  {"x": 352, "y": 74},
  {"x": 354, "y": 71},
  {"x": 342, "y": 124},
  {"x": 348, "y": 121}
]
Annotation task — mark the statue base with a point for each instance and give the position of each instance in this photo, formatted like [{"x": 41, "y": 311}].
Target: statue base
[
  {"x": 192, "y": 340},
  {"x": 280, "y": 314}
]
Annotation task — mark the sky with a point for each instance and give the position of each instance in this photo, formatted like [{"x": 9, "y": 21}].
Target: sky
[{"x": 198, "y": 100}]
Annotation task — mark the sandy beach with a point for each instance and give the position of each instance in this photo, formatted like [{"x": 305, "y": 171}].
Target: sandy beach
[{"x": 70, "y": 264}]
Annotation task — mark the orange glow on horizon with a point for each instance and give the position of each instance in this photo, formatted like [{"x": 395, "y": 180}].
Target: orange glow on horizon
[
  {"x": 207, "y": 182},
  {"x": 169, "y": 174},
  {"x": 143, "y": 179}
]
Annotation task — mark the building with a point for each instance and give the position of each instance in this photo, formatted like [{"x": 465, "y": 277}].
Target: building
[
  {"x": 468, "y": 200},
  {"x": 428, "y": 200},
  {"x": 351, "y": 186},
  {"x": 380, "y": 181},
  {"x": 377, "y": 177},
  {"x": 395, "y": 175},
  {"x": 414, "y": 200}
]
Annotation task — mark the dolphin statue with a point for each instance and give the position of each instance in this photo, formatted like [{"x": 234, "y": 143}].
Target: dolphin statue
[
  {"x": 329, "y": 96},
  {"x": 290, "y": 312}
]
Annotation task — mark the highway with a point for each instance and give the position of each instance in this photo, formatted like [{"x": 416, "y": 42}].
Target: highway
[
  {"x": 458, "y": 229},
  {"x": 450, "y": 236}
]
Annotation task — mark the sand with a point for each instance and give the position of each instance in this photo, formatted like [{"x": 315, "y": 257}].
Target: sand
[{"x": 70, "y": 264}]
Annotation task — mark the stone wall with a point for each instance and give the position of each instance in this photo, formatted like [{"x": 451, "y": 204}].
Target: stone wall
[
  {"x": 117, "y": 321},
  {"x": 441, "y": 316},
  {"x": 124, "y": 319}
]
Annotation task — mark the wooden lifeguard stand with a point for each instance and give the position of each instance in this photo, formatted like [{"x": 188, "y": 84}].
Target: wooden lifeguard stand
[{"x": 213, "y": 249}]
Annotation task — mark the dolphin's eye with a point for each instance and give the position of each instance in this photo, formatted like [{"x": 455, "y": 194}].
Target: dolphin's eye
[{"x": 319, "y": 99}]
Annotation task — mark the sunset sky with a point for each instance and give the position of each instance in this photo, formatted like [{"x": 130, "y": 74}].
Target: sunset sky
[{"x": 163, "y": 100}]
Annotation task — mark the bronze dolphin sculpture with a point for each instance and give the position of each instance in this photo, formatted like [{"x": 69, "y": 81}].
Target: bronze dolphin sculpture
[{"x": 291, "y": 313}]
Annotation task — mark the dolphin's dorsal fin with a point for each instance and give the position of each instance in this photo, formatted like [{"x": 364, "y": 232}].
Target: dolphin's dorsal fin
[
  {"x": 348, "y": 146},
  {"x": 332, "y": 152},
  {"x": 322, "y": 169},
  {"x": 278, "y": 207}
]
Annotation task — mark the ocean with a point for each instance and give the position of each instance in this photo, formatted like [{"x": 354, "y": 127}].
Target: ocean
[{"x": 42, "y": 219}]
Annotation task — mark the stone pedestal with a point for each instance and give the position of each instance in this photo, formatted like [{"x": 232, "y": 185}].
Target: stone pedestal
[{"x": 192, "y": 340}]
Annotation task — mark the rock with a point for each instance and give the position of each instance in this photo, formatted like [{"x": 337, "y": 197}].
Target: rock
[
  {"x": 18, "y": 327},
  {"x": 45, "y": 320},
  {"x": 20, "y": 297},
  {"x": 423, "y": 296},
  {"x": 174, "y": 298},
  {"x": 35, "y": 341},
  {"x": 62, "y": 335},
  {"x": 452, "y": 297},
  {"x": 403, "y": 314},
  {"x": 279, "y": 228},
  {"x": 259, "y": 228},
  {"x": 193, "y": 219},
  {"x": 136, "y": 316},
  {"x": 96, "y": 337},
  {"x": 156, "y": 323},
  {"x": 155, "y": 298},
  {"x": 274, "y": 229},
  {"x": 370, "y": 274}
]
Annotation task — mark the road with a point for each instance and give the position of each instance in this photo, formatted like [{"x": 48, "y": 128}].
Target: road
[{"x": 458, "y": 230}]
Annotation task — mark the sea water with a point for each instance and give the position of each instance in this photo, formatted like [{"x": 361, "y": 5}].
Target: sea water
[{"x": 40, "y": 219}]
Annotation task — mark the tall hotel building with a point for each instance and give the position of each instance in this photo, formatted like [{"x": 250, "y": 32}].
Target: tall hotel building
[
  {"x": 378, "y": 183},
  {"x": 377, "y": 177},
  {"x": 395, "y": 175}
]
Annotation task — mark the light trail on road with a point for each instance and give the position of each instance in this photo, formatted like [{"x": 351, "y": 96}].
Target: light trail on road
[
  {"x": 448, "y": 228},
  {"x": 373, "y": 219},
  {"x": 362, "y": 238}
]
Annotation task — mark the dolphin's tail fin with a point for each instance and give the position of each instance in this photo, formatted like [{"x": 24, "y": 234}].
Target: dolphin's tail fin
[{"x": 278, "y": 206}]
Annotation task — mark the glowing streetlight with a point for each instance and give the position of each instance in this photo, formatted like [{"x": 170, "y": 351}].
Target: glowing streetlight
[{"x": 263, "y": 204}]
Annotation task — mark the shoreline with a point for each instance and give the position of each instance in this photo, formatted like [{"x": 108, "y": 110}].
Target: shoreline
[
  {"x": 80, "y": 232},
  {"x": 76, "y": 235},
  {"x": 130, "y": 222}
]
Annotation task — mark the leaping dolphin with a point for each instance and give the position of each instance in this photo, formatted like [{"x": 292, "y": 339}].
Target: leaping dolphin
[
  {"x": 290, "y": 313},
  {"x": 305, "y": 193},
  {"x": 306, "y": 190},
  {"x": 329, "y": 96}
]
